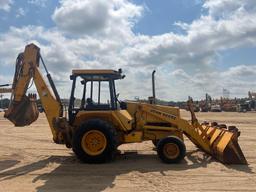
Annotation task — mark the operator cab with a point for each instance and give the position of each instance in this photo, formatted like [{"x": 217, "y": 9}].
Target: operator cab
[{"x": 93, "y": 90}]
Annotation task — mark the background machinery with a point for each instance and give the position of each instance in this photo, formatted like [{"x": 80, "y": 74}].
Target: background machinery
[
  {"x": 247, "y": 104},
  {"x": 205, "y": 105},
  {"x": 3, "y": 103},
  {"x": 97, "y": 122}
]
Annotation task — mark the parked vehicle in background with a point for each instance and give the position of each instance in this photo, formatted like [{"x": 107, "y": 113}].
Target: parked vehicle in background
[
  {"x": 243, "y": 107},
  {"x": 215, "y": 108}
]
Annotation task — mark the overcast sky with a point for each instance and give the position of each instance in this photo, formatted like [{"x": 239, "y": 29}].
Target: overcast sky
[{"x": 195, "y": 46}]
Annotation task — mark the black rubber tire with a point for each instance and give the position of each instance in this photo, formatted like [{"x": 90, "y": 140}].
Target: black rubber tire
[
  {"x": 110, "y": 134},
  {"x": 155, "y": 142},
  {"x": 175, "y": 140}
]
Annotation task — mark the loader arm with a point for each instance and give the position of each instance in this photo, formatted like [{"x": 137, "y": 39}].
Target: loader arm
[
  {"x": 192, "y": 132},
  {"x": 22, "y": 110},
  {"x": 219, "y": 142}
]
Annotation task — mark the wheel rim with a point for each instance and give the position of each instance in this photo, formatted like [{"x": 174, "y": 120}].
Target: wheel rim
[
  {"x": 171, "y": 150},
  {"x": 94, "y": 142}
]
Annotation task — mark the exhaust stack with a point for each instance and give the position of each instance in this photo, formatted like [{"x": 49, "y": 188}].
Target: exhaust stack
[{"x": 153, "y": 88}]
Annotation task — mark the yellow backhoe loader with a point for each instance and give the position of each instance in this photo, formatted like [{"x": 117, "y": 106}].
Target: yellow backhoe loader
[{"x": 98, "y": 122}]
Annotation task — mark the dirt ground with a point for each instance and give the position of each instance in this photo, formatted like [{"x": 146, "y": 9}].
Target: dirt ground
[{"x": 30, "y": 161}]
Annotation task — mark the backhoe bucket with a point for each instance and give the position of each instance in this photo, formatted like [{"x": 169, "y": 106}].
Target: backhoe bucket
[
  {"x": 224, "y": 145},
  {"x": 24, "y": 112}
]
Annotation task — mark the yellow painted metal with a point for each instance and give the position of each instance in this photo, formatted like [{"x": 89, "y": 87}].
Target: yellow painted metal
[
  {"x": 22, "y": 109},
  {"x": 159, "y": 128},
  {"x": 215, "y": 134},
  {"x": 194, "y": 133},
  {"x": 83, "y": 116},
  {"x": 150, "y": 134},
  {"x": 120, "y": 119},
  {"x": 94, "y": 142},
  {"x": 52, "y": 107},
  {"x": 30, "y": 61},
  {"x": 133, "y": 137},
  {"x": 221, "y": 144},
  {"x": 124, "y": 119},
  {"x": 30, "y": 69},
  {"x": 144, "y": 117},
  {"x": 225, "y": 147}
]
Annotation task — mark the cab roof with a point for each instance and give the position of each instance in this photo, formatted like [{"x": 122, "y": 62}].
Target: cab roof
[
  {"x": 98, "y": 74},
  {"x": 93, "y": 71}
]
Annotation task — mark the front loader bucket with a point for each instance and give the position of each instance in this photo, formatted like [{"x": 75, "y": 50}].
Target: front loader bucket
[
  {"x": 224, "y": 145},
  {"x": 219, "y": 141},
  {"x": 22, "y": 113}
]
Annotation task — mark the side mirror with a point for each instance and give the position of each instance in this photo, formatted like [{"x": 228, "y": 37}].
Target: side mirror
[{"x": 72, "y": 77}]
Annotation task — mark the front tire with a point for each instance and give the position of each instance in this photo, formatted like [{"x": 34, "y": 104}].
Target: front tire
[
  {"x": 155, "y": 142},
  {"x": 171, "y": 149},
  {"x": 95, "y": 142}
]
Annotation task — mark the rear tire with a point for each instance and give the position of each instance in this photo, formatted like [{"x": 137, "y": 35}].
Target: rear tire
[
  {"x": 95, "y": 142},
  {"x": 171, "y": 149}
]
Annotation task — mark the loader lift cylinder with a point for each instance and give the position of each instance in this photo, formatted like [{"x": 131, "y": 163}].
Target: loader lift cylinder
[{"x": 49, "y": 77}]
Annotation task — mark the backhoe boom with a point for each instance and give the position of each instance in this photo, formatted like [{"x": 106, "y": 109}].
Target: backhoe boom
[{"x": 22, "y": 110}]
